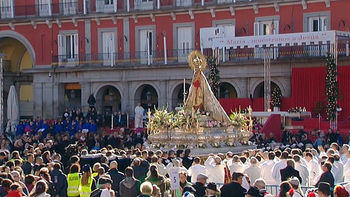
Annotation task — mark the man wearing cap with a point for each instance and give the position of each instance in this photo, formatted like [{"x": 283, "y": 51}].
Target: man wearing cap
[
  {"x": 199, "y": 186},
  {"x": 104, "y": 189},
  {"x": 212, "y": 190},
  {"x": 235, "y": 187}
]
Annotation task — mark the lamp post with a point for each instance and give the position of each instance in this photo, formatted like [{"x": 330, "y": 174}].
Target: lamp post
[{"x": 1, "y": 93}]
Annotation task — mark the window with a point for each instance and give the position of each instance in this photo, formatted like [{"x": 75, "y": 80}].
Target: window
[
  {"x": 269, "y": 27},
  {"x": 108, "y": 48},
  {"x": 184, "y": 42},
  {"x": 318, "y": 23},
  {"x": 265, "y": 26},
  {"x": 146, "y": 45},
  {"x": 183, "y": 3},
  {"x": 6, "y": 8},
  {"x": 68, "y": 47},
  {"x": 108, "y": 2},
  {"x": 70, "y": 7},
  {"x": 143, "y": 4},
  {"x": 44, "y": 7}
]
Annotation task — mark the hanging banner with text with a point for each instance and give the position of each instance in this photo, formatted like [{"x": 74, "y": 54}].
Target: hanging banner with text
[{"x": 210, "y": 40}]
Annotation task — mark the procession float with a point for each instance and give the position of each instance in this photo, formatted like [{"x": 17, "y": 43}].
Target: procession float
[{"x": 201, "y": 124}]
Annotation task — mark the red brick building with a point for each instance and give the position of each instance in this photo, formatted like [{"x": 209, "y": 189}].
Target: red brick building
[{"x": 65, "y": 50}]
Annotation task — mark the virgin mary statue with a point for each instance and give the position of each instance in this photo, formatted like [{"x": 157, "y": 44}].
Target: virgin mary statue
[{"x": 200, "y": 96}]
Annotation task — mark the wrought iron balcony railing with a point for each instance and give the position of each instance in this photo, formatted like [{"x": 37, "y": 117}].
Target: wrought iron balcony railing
[
  {"x": 84, "y": 7},
  {"x": 176, "y": 57}
]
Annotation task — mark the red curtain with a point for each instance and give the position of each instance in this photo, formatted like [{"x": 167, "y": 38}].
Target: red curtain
[{"x": 308, "y": 87}]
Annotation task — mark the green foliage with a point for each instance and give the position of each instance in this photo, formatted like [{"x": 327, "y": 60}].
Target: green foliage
[
  {"x": 214, "y": 75},
  {"x": 332, "y": 91},
  {"x": 276, "y": 97}
]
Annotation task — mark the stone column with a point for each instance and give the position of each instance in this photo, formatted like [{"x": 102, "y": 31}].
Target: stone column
[
  {"x": 38, "y": 99},
  {"x": 163, "y": 96},
  {"x": 85, "y": 94}
]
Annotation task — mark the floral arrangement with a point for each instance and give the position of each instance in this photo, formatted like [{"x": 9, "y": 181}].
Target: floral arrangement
[
  {"x": 162, "y": 119},
  {"x": 238, "y": 119},
  {"x": 296, "y": 110},
  {"x": 276, "y": 97}
]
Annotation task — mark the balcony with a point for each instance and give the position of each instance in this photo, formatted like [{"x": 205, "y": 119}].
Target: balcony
[
  {"x": 176, "y": 57},
  {"x": 108, "y": 6}
]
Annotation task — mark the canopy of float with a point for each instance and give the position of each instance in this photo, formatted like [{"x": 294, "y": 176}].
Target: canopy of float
[{"x": 290, "y": 39}]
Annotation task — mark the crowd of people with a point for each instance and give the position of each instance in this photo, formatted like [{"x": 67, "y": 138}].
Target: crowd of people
[
  {"x": 73, "y": 121},
  {"x": 49, "y": 159}
]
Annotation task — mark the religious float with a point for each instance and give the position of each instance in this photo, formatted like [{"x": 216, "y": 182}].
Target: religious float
[{"x": 201, "y": 124}]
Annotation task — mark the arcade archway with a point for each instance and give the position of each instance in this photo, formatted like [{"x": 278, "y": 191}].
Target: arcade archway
[
  {"x": 108, "y": 100},
  {"x": 19, "y": 56},
  {"x": 178, "y": 95},
  {"x": 147, "y": 96},
  {"x": 259, "y": 89},
  {"x": 227, "y": 90}
]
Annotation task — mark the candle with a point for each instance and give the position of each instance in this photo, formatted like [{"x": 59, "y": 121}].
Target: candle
[
  {"x": 112, "y": 121},
  {"x": 184, "y": 91}
]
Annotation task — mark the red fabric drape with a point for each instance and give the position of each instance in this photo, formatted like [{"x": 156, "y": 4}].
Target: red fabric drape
[{"x": 308, "y": 87}]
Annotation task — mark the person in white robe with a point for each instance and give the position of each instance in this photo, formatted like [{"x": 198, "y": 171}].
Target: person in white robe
[
  {"x": 196, "y": 169},
  {"x": 266, "y": 169},
  {"x": 276, "y": 170},
  {"x": 303, "y": 171},
  {"x": 236, "y": 165},
  {"x": 347, "y": 168},
  {"x": 253, "y": 171},
  {"x": 313, "y": 167},
  {"x": 215, "y": 170},
  {"x": 139, "y": 116}
]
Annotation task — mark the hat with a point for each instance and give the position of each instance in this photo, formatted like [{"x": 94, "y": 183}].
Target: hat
[
  {"x": 105, "y": 180},
  {"x": 188, "y": 194},
  {"x": 188, "y": 189},
  {"x": 86, "y": 168},
  {"x": 254, "y": 191},
  {"x": 202, "y": 176},
  {"x": 294, "y": 181},
  {"x": 324, "y": 188},
  {"x": 212, "y": 186}
]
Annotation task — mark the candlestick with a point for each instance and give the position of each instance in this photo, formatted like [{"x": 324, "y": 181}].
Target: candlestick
[
  {"x": 112, "y": 121},
  {"x": 184, "y": 92}
]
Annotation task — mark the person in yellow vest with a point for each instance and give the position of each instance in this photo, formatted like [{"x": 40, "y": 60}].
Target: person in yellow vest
[
  {"x": 87, "y": 182},
  {"x": 73, "y": 180}
]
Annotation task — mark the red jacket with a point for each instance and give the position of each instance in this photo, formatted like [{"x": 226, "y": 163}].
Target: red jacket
[{"x": 14, "y": 194}]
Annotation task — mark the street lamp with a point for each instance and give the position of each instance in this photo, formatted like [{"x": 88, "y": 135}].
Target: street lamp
[{"x": 1, "y": 93}]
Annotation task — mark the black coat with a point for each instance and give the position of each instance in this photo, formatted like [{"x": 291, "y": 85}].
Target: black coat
[
  {"x": 116, "y": 177},
  {"x": 60, "y": 183},
  {"x": 289, "y": 172},
  {"x": 326, "y": 177},
  {"x": 233, "y": 188},
  {"x": 200, "y": 189}
]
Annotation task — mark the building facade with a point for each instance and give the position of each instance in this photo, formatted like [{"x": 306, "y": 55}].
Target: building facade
[{"x": 59, "y": 52}]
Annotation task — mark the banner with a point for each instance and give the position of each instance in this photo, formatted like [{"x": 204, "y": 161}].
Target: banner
[
  {"x": 174, "y": 178},
  {"x": 306, "y": 38},
  {"x": 209, "y": 36}
]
